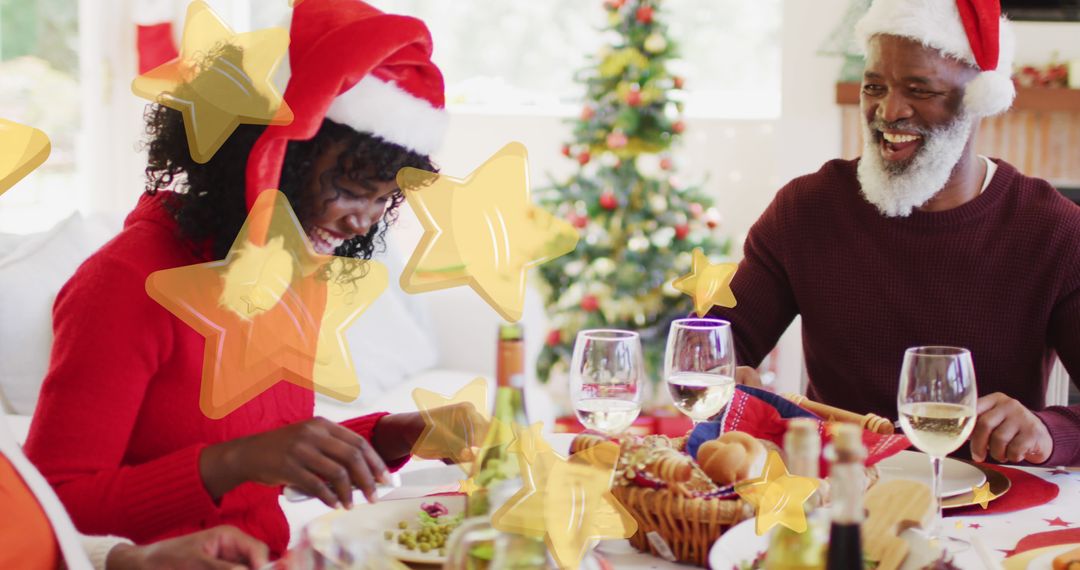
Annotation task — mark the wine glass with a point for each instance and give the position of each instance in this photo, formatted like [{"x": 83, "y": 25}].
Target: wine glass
[
  {"x": 605, "y": 376},
  {"x": 699, "y": 366},
  {"x": 936, "y": 401}
]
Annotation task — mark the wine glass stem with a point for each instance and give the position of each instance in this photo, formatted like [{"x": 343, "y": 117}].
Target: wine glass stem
[{"x": 935, "y": 492}]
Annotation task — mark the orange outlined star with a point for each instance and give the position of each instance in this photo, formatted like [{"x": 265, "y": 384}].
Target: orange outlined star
[
  {"x": 454, "y": 426},
  {"x": 709, "y": 284},
  {"x": 232, "y": 87},
  {"x": 778, "y": 496},
  {"x": 271, "y": 312},
  {"x": 566, "y": 501},
  {"x": 22, "y": 149},
  {"x": 482, "y": 231}
]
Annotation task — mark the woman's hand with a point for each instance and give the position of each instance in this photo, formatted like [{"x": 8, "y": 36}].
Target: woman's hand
[
  {"x": 219, "y": 548},
  {"x": 317, "y": 456}
]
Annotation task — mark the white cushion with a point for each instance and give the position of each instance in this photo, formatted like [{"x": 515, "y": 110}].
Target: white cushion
[
  {"x": 393, "y": 339},
  {"x": 30, "y": 277}
]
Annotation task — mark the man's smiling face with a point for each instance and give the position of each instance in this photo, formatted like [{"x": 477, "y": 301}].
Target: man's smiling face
[{"x": 915, "y": 126}]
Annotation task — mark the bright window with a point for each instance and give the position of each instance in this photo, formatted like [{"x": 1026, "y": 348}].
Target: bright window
[
  {"x": 520, "y": 56},
  {"x": 39, "y": 65}
]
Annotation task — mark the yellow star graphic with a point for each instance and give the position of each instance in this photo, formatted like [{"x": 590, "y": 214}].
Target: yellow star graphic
[
  {"x": 482, "y": 231},
  {"x": 568, "y": 502},
  {"x": 455, "y": 426},
  {"x": 709, "y": 284},
  {"x": 467, "y": 486},
  {"x": 219, "y": 80},
  {"x": 778, "y": 496},
  {"x": 982, "y": 494},
  {"x": 22, "y": 149},
  {"x": 271, "y": 312}
]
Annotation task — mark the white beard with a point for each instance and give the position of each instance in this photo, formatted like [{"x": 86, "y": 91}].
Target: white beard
[{"x": 897, "y": 190}]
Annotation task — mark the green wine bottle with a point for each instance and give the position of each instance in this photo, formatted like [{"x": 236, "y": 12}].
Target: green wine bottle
[{"x": 495, "y": 463}]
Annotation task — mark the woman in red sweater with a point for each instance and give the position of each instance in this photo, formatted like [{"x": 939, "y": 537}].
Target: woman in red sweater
[{"x": 118, "y": 430}]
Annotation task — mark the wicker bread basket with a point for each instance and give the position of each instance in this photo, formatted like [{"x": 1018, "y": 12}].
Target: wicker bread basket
[{"x": 682, "y": 529}]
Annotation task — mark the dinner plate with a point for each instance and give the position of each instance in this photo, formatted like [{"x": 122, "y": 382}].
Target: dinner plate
[
  {"x": 957, "y": 477},
  {"x": 739, "y": 545},
  {"x": 375, "y": 519},
  {"x": 1038, "y": 559}
]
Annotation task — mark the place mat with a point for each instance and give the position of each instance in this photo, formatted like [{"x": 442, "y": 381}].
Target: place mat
[{"x": 1027, "y": 491}]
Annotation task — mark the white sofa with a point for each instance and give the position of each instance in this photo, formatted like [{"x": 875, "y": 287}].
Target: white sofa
[{"x": 437, "y": 341}]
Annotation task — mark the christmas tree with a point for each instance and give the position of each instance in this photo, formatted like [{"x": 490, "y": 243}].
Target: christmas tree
[{"x": 638, "y": 224}]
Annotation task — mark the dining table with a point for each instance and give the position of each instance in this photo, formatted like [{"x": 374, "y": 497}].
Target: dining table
[{"x": 993, "y": 537}]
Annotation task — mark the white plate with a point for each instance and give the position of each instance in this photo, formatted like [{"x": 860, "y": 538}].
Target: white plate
[
  {"x": 1046, "y": 561},
  {"x": 957, "y": 477},
  {"x": 383, "y": 516},
  {"x": 739, "y": 545}
]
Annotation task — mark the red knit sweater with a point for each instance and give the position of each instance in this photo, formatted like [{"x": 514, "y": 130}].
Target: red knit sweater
[
  {"x": 118, "y": 430},
  {"x": 999, "y": 275}
]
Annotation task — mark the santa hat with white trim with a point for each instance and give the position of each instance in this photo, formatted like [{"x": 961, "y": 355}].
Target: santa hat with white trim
[
  {"x": 360, "y": 67},
  {"x": 972, "y": 31}
]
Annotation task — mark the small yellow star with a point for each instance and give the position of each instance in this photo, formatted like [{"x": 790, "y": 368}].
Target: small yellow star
[
  {"x": 566, "y": 501},
  {"x": 982, "y": 494},
  {"x": 482, "y": 231},
  {"x": 709, "y": 284},
  {"x": 454, "y": 426},
  {"x": 22, "y": 149},
  {"x": 215, "y": 96},
  {"x": 271, "y": 312},
  {"x": 778, "y": 496},
  {"x": 467, "y": 486}
]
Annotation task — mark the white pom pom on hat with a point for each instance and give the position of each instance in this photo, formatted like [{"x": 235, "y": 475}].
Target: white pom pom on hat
[{"x": 972, "y": 31}]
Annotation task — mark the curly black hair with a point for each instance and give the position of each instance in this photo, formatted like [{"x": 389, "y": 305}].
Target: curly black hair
[{"x": 211, "y": 208}]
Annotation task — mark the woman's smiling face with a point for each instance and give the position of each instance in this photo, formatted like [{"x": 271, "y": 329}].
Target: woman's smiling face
[{"x": 339, "y": 207}]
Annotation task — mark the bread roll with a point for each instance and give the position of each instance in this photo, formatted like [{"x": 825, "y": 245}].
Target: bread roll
[{"x": 727, "y": 459}]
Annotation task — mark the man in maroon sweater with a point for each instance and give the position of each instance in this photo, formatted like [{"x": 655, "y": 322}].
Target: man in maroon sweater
[{"x": 924, "y": 242}]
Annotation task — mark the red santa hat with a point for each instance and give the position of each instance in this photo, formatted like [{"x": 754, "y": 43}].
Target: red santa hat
[
  {"x": 972, "y": 31},
  {"x": 354, "y": 65}
]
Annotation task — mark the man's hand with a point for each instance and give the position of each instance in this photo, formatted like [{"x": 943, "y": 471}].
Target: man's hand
[
  {"x": 317, "y": 456},
  {"x": 747, "y": 376},
  {"x": 1008, "y": 432},
  {"x": 219, "y": 548}
]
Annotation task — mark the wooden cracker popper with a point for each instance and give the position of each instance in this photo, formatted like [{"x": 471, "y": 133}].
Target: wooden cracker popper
[{"x": 869, "y": 422}]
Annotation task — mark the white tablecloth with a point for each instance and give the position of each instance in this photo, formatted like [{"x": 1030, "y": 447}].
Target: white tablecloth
[{"x": 1000, "y": 533}]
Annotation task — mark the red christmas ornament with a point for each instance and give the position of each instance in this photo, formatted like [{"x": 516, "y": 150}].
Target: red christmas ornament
[
  {"x": 577, "y": 221},
  {"x": 583, "y": 158},
  {"x": 644, "y": 14},
  {"x": 616, "y": 140},
  {"x": 633, "y": 98},
  {"x": 554, "y": 337},
  {"x": 608, "y": 200},
  {"x": 589, "y": 303},
  {"x": 679, "y": 81},
  {"x": 665, "y": 163},
  {"x": 712, "y": 218},
  {"x": 566, "y": 150},
  {"x": 587, "y": 113},
  {"x": 678, "y": 127},
  {"x": 681, "y": 231},
  {"x": 614, "y": 4}
]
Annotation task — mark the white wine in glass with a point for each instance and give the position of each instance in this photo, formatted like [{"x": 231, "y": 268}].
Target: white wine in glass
[
  {"x": 699, "y": 367},
  {"x": 936, "y": 403},
  {"x": 605, "y": 376}
]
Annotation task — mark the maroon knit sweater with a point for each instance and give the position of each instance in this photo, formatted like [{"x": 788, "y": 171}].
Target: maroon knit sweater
[{"x": 999, "y": 275}]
